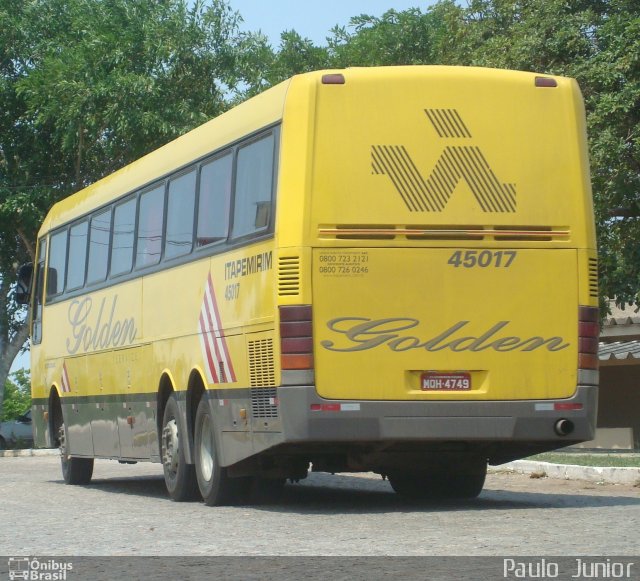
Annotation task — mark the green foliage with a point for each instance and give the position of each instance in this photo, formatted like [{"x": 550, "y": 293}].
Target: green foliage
[
  {"x": 400, "y": 38},
  {"x": 17, "y": 395},
  {"x": 88, "y": 86}
]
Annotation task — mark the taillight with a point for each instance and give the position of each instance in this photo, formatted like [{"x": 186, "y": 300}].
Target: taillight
[
  {"x": 296, "y": 337},
  {"x": 588, "y": 335}
]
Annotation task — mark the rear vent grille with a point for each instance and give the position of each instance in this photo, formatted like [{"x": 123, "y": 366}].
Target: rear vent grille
[
  {"x": 264, "y": 402},
  {"x": 593, "y": 278},
  {"x": 363, "y": 232},
  {"x": 445, "y": 232},
  {"x": 261, "y": 364},
  {"x": 515, "y": 233},
  {"x": 288, "y": 276}
]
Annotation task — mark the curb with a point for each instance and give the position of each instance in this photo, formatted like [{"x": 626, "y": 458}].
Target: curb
[
  {"x": 29, "y": 452},
  {"x": 608, "y": 475}
]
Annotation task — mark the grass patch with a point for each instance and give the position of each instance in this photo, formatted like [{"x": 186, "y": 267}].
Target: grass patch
[{"x": 601, "y": 460}]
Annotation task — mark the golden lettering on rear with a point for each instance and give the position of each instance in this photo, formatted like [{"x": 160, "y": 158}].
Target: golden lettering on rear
[{"x": 363, "y": 333}]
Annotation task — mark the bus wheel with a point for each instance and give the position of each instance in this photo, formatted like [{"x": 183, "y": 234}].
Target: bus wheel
[
  {"x": 179, "y": 477},
  {"x": 215, "y": 485},
  {"x": 74, "y": 470},
  {"x": 266, "y": 490},
  {"x": 466, "y": 485},
  {"x": 439, "y": 485}
]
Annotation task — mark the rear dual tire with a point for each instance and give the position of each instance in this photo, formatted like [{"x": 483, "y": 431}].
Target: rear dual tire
[
  {"x": 179, "y": 477},
  {"x": 465, "y": 483},
  {"x": 216, "y": 487}
]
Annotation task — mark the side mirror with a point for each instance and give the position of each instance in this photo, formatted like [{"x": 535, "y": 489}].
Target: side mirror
[{"x": 25, "y": 273}]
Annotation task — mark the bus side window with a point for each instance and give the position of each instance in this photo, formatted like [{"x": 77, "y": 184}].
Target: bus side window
[
  {"x": 214, "y": 199},
  {"x": 99, "y": 247},
  {"x": 254, "y": 184},
  {"x": 150, "y": 222},
  {"x": 77, "y": 255},
  {"x": 57, "y": 263},
  {"x": 180, "y": 208},
  {"x": 36, "y": 329},
  {"x": 122, "y": 240}
]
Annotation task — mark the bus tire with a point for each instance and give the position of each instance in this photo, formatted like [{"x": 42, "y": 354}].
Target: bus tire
[
  {"x": 266, "y": 490},
  {"x": 413, "y": 485},
  {"x": 179, "y": 477},
  {"x": 74, "y": 470},
  {"x": 216, "y": 487},
  {"x": 467, "y": 485}
]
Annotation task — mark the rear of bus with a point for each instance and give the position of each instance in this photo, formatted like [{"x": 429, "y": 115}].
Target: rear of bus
[{"x": 447, "y": 309}]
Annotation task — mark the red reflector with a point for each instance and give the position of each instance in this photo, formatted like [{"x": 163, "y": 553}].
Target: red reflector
[
  {"x": 296, "y": 361},
  {"x": 333, "y": 79},
  {"x": 325, "y": 407},
  {"x": 588, "y": 329},
  {"x": 587, "y": 361},
  {"x": 546, "y": 82},
  {"x": 298, "y": 345},
  {"x": 295, "y": 313},
  {"x": 588, "y": 345},
  {"x": 296, "y": 329},
  {"x": 589, "y": 314},
  {"x": 563, "y": 407}
]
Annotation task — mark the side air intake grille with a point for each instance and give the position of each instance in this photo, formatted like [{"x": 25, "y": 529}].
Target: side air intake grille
[
  {"x": 261, "y": 364},
  {"x": 593, "y": 278},
  {"x": 288, "y": 276},
  {"x": 264, "y": 402}
]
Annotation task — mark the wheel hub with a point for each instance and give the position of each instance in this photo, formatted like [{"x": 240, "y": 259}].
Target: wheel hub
[{"x": 170, "y": 446}]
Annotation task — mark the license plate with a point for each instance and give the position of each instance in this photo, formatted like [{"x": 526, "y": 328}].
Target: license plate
[{"x": 432, "y": 381}]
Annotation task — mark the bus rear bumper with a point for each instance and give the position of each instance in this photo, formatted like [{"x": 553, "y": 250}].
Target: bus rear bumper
[{"x": 307, "y": 417}]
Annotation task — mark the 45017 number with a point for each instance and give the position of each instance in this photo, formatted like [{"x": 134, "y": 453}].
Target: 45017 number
[{"x": 482, "y": 258}]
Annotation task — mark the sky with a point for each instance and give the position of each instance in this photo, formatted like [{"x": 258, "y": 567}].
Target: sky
[{"x": 312, "y": 19}]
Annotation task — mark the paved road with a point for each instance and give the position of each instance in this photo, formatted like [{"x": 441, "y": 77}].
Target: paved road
[{"x": 125, "y": 512}]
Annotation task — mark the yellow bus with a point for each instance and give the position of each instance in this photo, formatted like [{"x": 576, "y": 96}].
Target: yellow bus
[{"x": 372, "y": 269}]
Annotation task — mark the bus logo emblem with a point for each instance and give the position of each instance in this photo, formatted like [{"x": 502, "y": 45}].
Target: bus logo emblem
[{"x": 456, "y": 163}]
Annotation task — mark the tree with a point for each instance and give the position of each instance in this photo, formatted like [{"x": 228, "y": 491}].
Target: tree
[
  {"x": 400, "y": 38},
  {"x": 88, "y": 86},
  {"x": 17, "y": 395}
]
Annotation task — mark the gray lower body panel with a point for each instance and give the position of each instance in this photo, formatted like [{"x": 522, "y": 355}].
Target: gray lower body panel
[{"x": 526, "y": 420}]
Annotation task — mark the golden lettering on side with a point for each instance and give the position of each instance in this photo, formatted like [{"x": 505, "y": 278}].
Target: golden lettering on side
[{"x": 103, "y": 331}]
